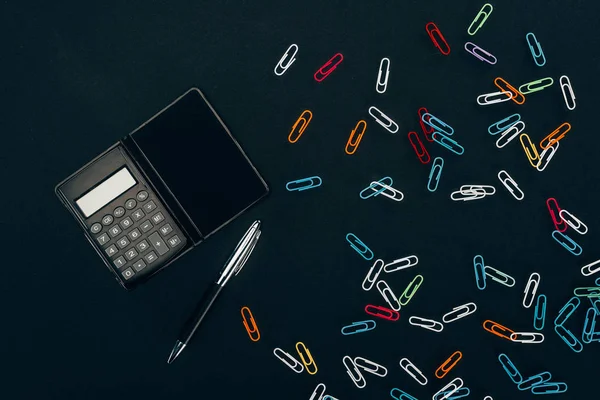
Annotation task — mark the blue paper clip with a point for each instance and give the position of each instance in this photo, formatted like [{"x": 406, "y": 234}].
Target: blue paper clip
[
  {"x": 535, "y": 380},
  {"x": 365, "y": 252},
  {"x": 401, "y": 395},
  {"x": 567, "y": 310},
  {"x": 437, "y": 124},
  {"x": 539, "y": 316},
  {"x": 568, "y": 337},
  {"x": 478, "y": 265},
  {"x": 305, "y": 184},
  {"x": 536, "y": 50},
  {"x": 359, "y": 327},
  {"x": 370, "y": 190},
  {"x": 589, "y": 325},
  {"x": 510, "y": 368},
  {"x": 328, "y": 397},
  {"x": 568, "y": 243},
  {"x": 550, "y": 388},
  {"x": 597, "y": 282},
  {"x": 503, "y": 124},
  {"x": 458, "y": 394},
  {"x": 448, "y": 143},
  {"x": 435, "y": 174}
]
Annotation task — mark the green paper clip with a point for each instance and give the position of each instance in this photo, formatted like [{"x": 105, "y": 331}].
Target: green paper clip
[
  {"x": 485, "y": 11},
  {"x": 410, "y": 290},
  {"x": 536, "y": 86}
]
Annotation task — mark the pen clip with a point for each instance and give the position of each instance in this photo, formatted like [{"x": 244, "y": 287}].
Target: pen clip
[{"x": 246, "y": 254}]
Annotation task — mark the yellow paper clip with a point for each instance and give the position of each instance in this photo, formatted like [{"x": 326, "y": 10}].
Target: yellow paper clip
[
  {"x": 517, "y": 96},
  {"x": 248, "y": 320},
  {"x": 304, "y": 120},
  {"x": 301, "y": 349},
  {"x": 555, "y": 136},
  {"x": 360, "y": 129},
  {"x": 530, "y": 150}
]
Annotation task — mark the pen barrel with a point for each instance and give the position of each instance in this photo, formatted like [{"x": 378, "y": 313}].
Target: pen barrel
[{"x": 196, "y": 318}]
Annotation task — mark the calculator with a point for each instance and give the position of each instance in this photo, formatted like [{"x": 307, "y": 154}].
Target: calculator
[{"x": 162, "y": 189}]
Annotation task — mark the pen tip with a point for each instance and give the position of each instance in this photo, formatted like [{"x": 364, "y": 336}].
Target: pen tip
[{"x": 177, "y": 349}]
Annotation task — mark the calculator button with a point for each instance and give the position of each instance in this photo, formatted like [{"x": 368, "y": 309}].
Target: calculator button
[
  {"x": 142, "y": 196},
  {"x": 130, "y": 204},
  {"x": 158, "y": 218},
  {"x": 146, "y": 226},
  {"x": 149, "y": 206},
  {"x": 119, "y": 212},
  {"x": 126, "y": 223},
  {"x": 103, "y": 239},
  {"x": 114, "y": 231},
  {"x": 150, "y": 257},
  {"x": 174, "y": 241},
  {"x": 142, "y": 246},
  {"x": 135, "y": 234},
  {"x": 123, "y": 242},
  {"x": 107, "y": 219},
  {"x": 159, "y": 245},
  {"x": 131, "y": 254},
  {"x": 120, "y": 262},
  {"x": 166, "y": 229},
  {"x": 111, "y": 250},
  {"x": 128, "y": 273},
  {"x": 139, "y": 265},
  {"x": 96, "y": 228},
  {"x": 138, "y": 214}
]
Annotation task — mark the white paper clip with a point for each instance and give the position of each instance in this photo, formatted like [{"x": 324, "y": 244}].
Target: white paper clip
[
  {"x": 510, "y": 184},
  {"x": 499, "y": 276},
  {"x": 527, "y": 337},
  {"x": 493, "y": 98},
  {"x": 589, "y": 270},
  {"x": 531, "y": 289},
  {"x": 509, "y": 134},
  {"x": 567, "y": 91},
  {"x": 388, "y": 191},
  {"x": 288, "y": 360},
  {"x": 450, "y": 389},
  {"x": 384, "y": 68},
  {"x": 546, "y": 156},
  {"x": 467, "y": 195},
  {"x": 372, "y": 275},
  {"x": 459, "y": 312},
  {"x": 426, "y": 323},
  {"x": 401, "y": 263},
  {"x": 388, "y": 123},
  {"x": 318, "y": 393},
  {"x": 413, "y": 371},
  {"x": 574, "y": 222},
  {"x": 388, "y": 295},
  {"x": 353, "y": 372},
  {"x": 370, "y": 366},
  {"x": 289, "y": 63}
]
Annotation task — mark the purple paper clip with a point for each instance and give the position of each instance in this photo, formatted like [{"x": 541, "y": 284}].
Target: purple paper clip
[{"x": 480, "y": 53}]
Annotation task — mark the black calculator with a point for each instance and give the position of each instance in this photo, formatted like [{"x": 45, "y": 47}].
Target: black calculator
[{"x": 162, "y": 189}]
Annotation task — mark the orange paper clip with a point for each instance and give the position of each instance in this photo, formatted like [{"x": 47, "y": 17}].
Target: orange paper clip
[
  {"x": 302, "y": 350},
  {"x": 304, "y": 121},
  {"x": 555, "y": 136},
  {"x": 359, "y": 130},
  {"x": 497, "y": 329},
  {"x": 328, "y": 67},
  {"x": 437, "y": 38},
  {"x": 517, "y": 96},
  {"x": 250, "y": 324},
  {"x": 448, "y": 365}
]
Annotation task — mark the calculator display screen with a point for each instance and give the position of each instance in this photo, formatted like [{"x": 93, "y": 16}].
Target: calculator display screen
[{"x": 105, "y": 192}]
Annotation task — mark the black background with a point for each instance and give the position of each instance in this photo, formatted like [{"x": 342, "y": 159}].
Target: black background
[{"x": 78, "y": 76}]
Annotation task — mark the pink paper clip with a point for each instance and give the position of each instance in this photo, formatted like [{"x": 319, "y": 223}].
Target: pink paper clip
[
  {"x": 427, "y": 130},
  {"x": 329, "y": 67},
  {"x": 433, "y": 31},
  {"x": 554, "y": 210},
  {"x": 419, "y": 147}
]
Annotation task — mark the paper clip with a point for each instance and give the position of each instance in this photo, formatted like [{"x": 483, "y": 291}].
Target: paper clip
[
  {"x": 497, "y": 329},
  {"x": 480, "y": 18},
  {"x": 288, "y": 360},
  {"x": 302, "y": 349},
  {"x": 467, "y": 195},
  {"x": 370, "y": 190},
  {"x": 454, "y": 395},
  {"x": 387, "y": 122},
  {"x": 359, "y": 246},
  {"x": 387, "y": 191},
  {"x": 546, "y": 156},
  {"x": 459, "y": 312},
  {"x": 597, "y": 281},
  {"x": 401, "y": 395},
  {"x": 447, "y": 365},
  {"x": 510, "y": 368},
  {"x": 554, "y": 210},
  {"x": 487, "y": 99},
  {"x": 419, "y": 147},
  {"x": 401, "y": 263},
  {"x": 433, "y": 31},
  {"x": 567, "y": 91},
  {"x": 411, "y": 289},
  {"x": 517, "y": 96},
  {"x": 567, "y": 310},
  {"x": 413, "y": 371},
  {"x": 249, "y": 319},
  {"x": 318, "y": 393},
  {"x": 488, "y": 190},
  {"x": 292, "y": 58},
  {"x": 435, "y": 174},
  {"x": 388, "y": 295},
  {"x": 426, "y": 323},
  {"x": 587, "y": 292},
  {"x": 449, "y": 389},
  {"x": 382, "y": 312},
  {"x": 328, "y": 67},
  {"x": 568, "y": 243},
  {"x": 530, "y": 150},
  {"x": 509, "y": 134},
  {"x": 480, "y": 53},
  {"x": 504, "y": 124},
  {"x": 359, "y": 327},
  {"x": 437, "y": 124},
  {"x": 448, "y": 143},
  {"x": 478, "y": 265},
  {"x": 539, "y": 316},
  {"x": 304, "y": 184},
  {"x": 555, "y": 136},
  {"x": 596, "y": 305},
  {"x": 383, "y": 66},
  {"x": 353, "y": 372},
  {"x": 531, "y": 289},
  {"x": 590, "y": 269},
  {"x": 510, "y": 184},
  {"x": 427, "y": 130},
  {"x": 304, "y": 119},
  {"x": 536, "y": 86},
  {"x": 535, "y": 380},
  {"x": 499, "y": 276},
  {"x": 372, "y": 275},
  {"x": 568, "y": 337},
  {"x": 527, "y": 337},
  {"x": 328, "y": 397},
  {"x": 536, "y": 50},
  {"x": 359, "y": 129},
  {"x": 574, "y": 222},
  {"x": 589, "y": 326},
  {"x": 370, "y": 366},
  {"x": 550, "y": 388}
]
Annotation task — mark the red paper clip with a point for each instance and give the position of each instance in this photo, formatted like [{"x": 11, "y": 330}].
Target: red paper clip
[
  {"x": 432, "y": 29},
  {"x": 427, "y": 130},
  {"x": 554, "y": 210},
  {"x": 419, "y": 147},
  {"x": 382, "y": 312},
  {"x": 329, "y": 67}
]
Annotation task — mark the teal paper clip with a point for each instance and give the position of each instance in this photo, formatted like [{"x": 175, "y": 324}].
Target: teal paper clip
[
  {"x": 400, "y": 395},
  {"x": 550, "y": 388},
  {"x": 536, "y": 50},
  {"x": 435, "y": 174},
  {"x": 589, "y": 326},
  {"x": 478, "y": 265},
  {"x": 536, "y": 86},
  {"x": 359, "y": 246},
  {"x": 504, "y": 124},
  {"x": 587, "y": 292},
  {"x": 359, "y": 327},
  {"x": 597, "y": 282},
  {"x": 448, "y": 143},
  {"x": 303, "y": 184},
  {"x": 535, "y": 380},
  {"x": 568, "y": 243},
  {"x": 539, "y": 316},
  {"x": 567, "y": 310},
  {"x": 480, "y": 18},
  {"x": 437, "y": 124},
  {"x": 410, "y": 290},
  {"x": 328, "y": 397},
  {"x": 568, "y": 337},
  {"x": 510, "y": 368},
  {"x": 596, "y": 305},
  {"x": 458, "y": 394},
  {"x": 371, "y": 191}
]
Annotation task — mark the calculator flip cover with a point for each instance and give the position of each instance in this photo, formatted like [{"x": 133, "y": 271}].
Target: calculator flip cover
[{"x": 162, "y": 189}]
